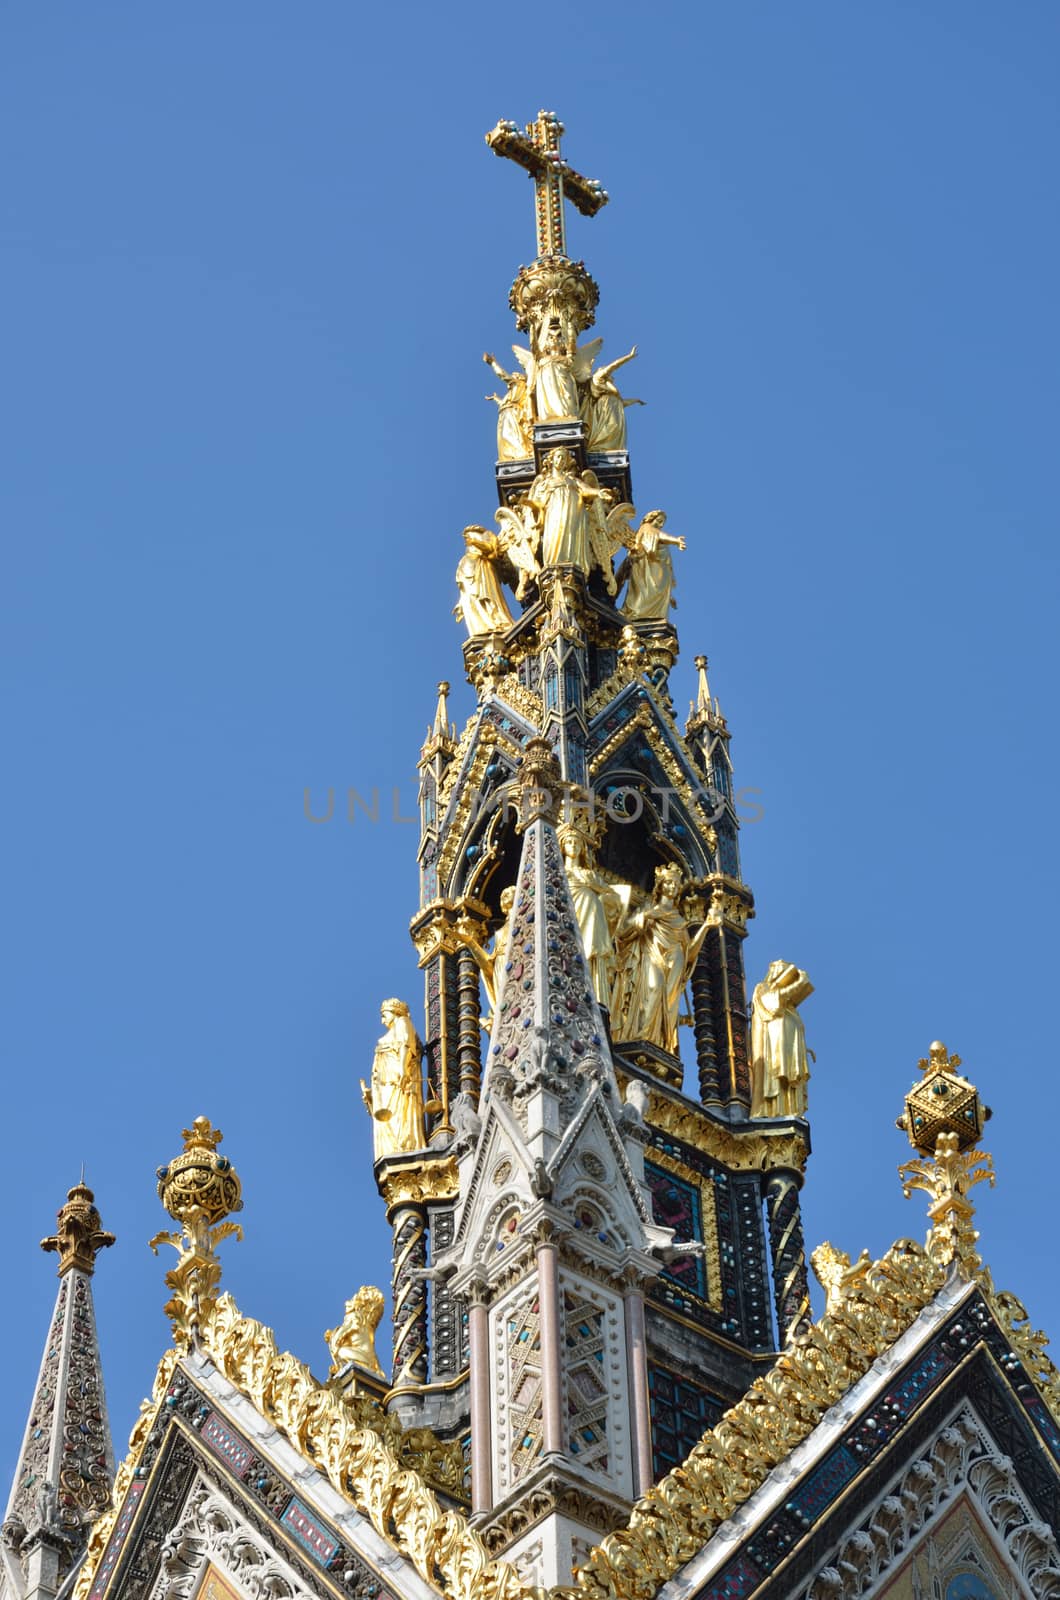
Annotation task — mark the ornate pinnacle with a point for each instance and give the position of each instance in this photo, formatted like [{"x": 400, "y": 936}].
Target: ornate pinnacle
[
  {"x": 942, "y": 1102},
  {"x": 79, "y": 1234},
  {"x": 198, "y": 1189},
  {"x": 943, "y": 1119},
  {"x": 441, "y": 735}
]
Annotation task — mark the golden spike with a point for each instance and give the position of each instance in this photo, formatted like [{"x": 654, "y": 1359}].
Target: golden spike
[{"x": 703, "y": 697}]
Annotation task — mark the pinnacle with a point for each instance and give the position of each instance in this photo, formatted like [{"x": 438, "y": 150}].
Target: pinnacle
[{"x": 548, "y": 1027}]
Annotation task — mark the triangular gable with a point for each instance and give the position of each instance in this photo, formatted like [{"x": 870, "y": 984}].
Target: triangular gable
[
  {"x": 947, "y": 1411},
  {"x": 762, "y": 1504},
  {"x": 309, "y": 1468}
]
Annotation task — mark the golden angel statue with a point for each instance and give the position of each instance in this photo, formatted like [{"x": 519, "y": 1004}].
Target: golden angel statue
[
  {"x": 519, "y": 539},
  {"x": 561, "y": 495},
  {"x": 597, "y": 907},
  {"x": 490, "y": 962},
  {"x": 779, "y": 1066},
  {"x": 482, "y": 604},
  {"x": 655, "y": 953},
  {"x": 514, "y": 439},
  {"x": 354, "y": 1338},
  {"x": 395, "y": 1099},
  {"x": 606, "y": 408},
  {"x": 650, "y": 570},
  {"x": 555, "y": 372}
]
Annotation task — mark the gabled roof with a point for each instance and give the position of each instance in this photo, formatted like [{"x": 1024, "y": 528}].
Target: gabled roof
[{"x": 910, "y": 1342}]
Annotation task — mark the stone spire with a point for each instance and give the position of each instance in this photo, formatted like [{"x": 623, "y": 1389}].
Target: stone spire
[
  {"x": 554, "y": 1242},
  {"x": 66, "y": 1465}
]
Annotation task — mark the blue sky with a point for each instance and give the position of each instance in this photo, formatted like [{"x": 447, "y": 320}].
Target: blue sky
[{"x": 251, "y": 255}]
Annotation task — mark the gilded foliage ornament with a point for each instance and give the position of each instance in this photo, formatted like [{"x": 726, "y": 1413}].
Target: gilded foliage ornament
[{"x": 198, "y": 1189}]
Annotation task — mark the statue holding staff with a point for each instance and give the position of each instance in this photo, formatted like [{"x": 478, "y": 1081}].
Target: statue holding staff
[{"x": 395, "y": 1098}]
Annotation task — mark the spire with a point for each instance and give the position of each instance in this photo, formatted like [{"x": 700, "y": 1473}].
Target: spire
[
  {"x": 66, "y": 1464},
  {"x": 704, "y": 712},
  {"x": 441, "y": 734}
]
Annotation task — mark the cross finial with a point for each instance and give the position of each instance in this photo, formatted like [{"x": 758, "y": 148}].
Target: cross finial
[{"x": 538, "y": 151}]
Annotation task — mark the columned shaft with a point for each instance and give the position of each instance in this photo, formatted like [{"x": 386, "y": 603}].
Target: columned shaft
[
  {"x": 470, "y": 1045},
  {"x": 551, "y": 1349},
  {"x": 711, "y": 1081},
  {"x": 640, "y": 1407},
  {"x": 409, "y": 1223},
  {"x": 787, "y": 1248},
  {"x": 481, "y": 1437}
]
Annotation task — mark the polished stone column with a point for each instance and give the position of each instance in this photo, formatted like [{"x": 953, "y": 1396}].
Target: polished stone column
[{"x": 639, "y": 1398}]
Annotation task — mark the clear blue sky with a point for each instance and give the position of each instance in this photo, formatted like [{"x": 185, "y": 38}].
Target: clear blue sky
[{"x": 251, "y": 255}]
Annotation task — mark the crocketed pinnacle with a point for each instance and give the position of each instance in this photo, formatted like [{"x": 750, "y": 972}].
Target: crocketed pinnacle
[
  {"x": 548, "y": 1027},
  {"x": 66, "y": 1464}
]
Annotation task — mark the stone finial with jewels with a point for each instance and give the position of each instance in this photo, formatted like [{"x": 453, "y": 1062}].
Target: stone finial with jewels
[
  {"x": 199, "y": 1189},
  {"x": 79, "y": 1235}
]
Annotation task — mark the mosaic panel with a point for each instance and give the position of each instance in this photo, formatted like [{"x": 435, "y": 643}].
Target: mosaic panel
[{"x": 681, "y": 1413}]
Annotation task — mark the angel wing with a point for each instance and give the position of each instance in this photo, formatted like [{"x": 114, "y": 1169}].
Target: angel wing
[
  {"x": 514, "y": 538},
  {"x": 584, "y": 357},
  {"x": 523, "y": 356},
  {"x": 619, "y": 531},
  {"x": 600, "y": 544}
]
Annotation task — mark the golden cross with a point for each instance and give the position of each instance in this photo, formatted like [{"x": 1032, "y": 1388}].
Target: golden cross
[{"x": 538, "y": 151}]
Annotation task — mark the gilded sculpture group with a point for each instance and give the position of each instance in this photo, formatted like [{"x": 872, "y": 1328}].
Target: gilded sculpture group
[
  {"x": 566, "y": 518},
  {"x": 640, "y": 951}
]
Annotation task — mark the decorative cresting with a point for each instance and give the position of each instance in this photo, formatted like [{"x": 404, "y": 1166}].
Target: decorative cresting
[
  {"x": 199, "y": 1189},
  {"x": 79, "y": 1234}
]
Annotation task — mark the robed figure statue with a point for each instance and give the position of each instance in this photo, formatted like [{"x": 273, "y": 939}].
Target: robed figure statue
[
  {"x": 656, "y": 951},
  {"x": 395, "y": 1098},
  {"x": 650, "y": 570},
  {"x": 779, "y": 1066},
  {"x": 482, "y": 604},
  {"x": 560, "y": 494},
  {"x": 597, "y": 908}
]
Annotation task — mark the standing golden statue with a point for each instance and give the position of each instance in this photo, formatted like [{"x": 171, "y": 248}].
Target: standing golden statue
[
  {"x": 779, "y": 1066},
  {"x": 354, "y": 1338},
  {"x": 482, "y": 604},
  {"x": 655, "y": 953},
  {"x": 395, "y": 1099},
  {"x": 650, "y": 570},
  {"x": 597, "y": 907},
  {"x": 514, "y": 438},
  {"x": 561, "y": 495},
  {"x": 606, "y": 409},
  {"x": 490, "y": 962},
  {"x": 552, "y": 372}
]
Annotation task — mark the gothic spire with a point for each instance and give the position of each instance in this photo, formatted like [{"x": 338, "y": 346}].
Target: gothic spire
[{"x": 66, "y": 1465}]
